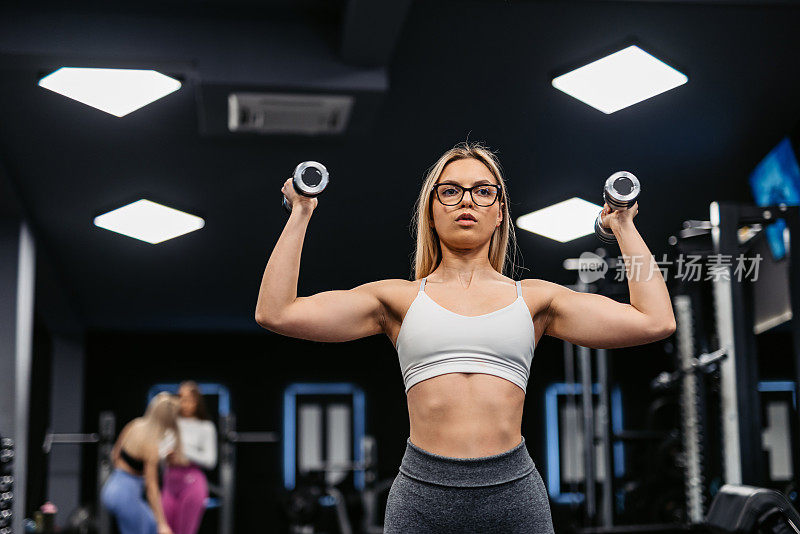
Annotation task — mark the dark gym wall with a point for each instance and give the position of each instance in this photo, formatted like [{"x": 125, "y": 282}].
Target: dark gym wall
[{"x": 9, "y": 244}]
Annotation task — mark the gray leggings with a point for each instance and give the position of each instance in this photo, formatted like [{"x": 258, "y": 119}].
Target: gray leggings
[{"x": 502, "y": 493}]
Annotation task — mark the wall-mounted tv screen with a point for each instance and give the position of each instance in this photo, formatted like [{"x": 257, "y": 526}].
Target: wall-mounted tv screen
[{"x": 776, "y": 180}]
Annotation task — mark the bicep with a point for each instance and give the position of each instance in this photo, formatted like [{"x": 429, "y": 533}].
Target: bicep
[
  {"x": 596, "y": 321},
  {"x": 339, "y": 315}
]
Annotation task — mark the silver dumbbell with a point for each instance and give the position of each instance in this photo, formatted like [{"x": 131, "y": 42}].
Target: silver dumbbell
[
  {"x": 309, "y": 179},
  {"x": 620, "y": 193}
]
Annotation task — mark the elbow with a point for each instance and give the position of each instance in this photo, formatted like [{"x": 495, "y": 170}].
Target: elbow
[
  {"x": 663, "y": 329},
  {"x": 671, "y": 326},
  {"x": 273, "y": 317},
  {"x": 265, "y": 321},
  {"x": 270, "y": 318},
  {"x": 668, "y": 331}
]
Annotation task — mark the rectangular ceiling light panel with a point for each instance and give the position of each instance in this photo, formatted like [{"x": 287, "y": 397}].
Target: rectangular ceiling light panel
[
  {"x": 115, "y": 91},
  {"x": 562, "y": 222},
  {"x": 620, "y": 80},
  {"x": 149, "y": 221}
]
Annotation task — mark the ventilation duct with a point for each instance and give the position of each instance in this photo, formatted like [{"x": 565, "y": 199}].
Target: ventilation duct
[{"x": 276, "y": 113}]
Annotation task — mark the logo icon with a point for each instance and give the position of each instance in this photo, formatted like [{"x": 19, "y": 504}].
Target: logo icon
[{"x": 591, "y": 267}]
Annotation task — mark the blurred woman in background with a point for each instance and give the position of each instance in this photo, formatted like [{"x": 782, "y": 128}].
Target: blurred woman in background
[
  {"x": 185, "y": 484},
  {"x": 141, "y": 445}
]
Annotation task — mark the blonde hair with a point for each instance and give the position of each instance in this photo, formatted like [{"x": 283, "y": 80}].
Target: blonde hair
[
  {"x": 428, "y": 252},
  {"x": 161, "y": 416}
]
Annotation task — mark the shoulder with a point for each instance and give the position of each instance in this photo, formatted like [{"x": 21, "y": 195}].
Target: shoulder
[
  {"x": 543, "y": 286},
  {"x": 387, "y": 289},
  {"x": 394, "y": 296},
  {"x": 543, "y": 291},
  {"x": 388, "y": 284},
  {"x": 541, "y": 296},
  {"x": 134, "y": 425},
  {"x": 124, "y": 434}
]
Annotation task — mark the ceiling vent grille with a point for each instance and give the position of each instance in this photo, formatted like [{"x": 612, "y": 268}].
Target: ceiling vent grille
[{"x": 276, "y": 113}]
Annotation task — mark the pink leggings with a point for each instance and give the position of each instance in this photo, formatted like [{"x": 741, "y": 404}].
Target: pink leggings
[{"x": 183, "y": 498}]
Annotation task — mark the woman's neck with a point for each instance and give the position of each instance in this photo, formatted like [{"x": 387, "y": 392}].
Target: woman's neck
[{"x": 465, "y": 275}]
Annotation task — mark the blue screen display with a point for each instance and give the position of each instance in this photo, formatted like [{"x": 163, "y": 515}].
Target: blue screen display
[{"x": 776, "y": 180}]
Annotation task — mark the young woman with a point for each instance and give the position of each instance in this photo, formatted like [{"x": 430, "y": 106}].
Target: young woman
[
  {"x": 465, "y": 336},
  {"x": 141, "y": 445},
  {"x": 185, "y": 484}
]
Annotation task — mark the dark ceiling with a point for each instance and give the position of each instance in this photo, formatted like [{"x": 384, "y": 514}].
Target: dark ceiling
[{"x": 425, "y": 75}]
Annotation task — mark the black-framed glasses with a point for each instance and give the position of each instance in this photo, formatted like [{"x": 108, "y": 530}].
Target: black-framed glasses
[{"x": 482, "y": 194}]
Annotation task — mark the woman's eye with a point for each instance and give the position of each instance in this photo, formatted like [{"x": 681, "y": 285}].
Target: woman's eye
[
  {"x": 484, "y": 191},
  {"x": 450, "y": 191}
]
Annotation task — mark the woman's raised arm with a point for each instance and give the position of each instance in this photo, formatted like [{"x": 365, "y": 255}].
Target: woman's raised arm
[
  {"x": 596, "y": 321},
  {"x": 341, "y": 315}
]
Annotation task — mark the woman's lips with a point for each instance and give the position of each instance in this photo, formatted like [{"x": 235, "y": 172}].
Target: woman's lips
[{"x": 466, "y": 222}]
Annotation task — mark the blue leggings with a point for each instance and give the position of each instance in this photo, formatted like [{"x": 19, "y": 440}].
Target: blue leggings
[{"x": 123, "y": 496}]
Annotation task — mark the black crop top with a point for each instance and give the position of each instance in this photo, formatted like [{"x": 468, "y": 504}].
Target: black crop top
[{"x": 136, "y": 465}]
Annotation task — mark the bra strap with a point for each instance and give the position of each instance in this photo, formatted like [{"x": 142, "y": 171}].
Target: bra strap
[
  {"x": 519, "y": 288},
  {"x": 422, "y": 285}
]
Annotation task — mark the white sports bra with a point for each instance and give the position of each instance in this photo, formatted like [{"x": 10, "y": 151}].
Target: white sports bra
[{"x": 434, "y": 341}]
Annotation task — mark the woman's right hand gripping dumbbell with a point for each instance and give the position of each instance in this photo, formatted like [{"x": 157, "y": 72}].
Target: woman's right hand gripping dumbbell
[
  {"x": 309, "y": 179},
  {"x": 295, "y": 199}
]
